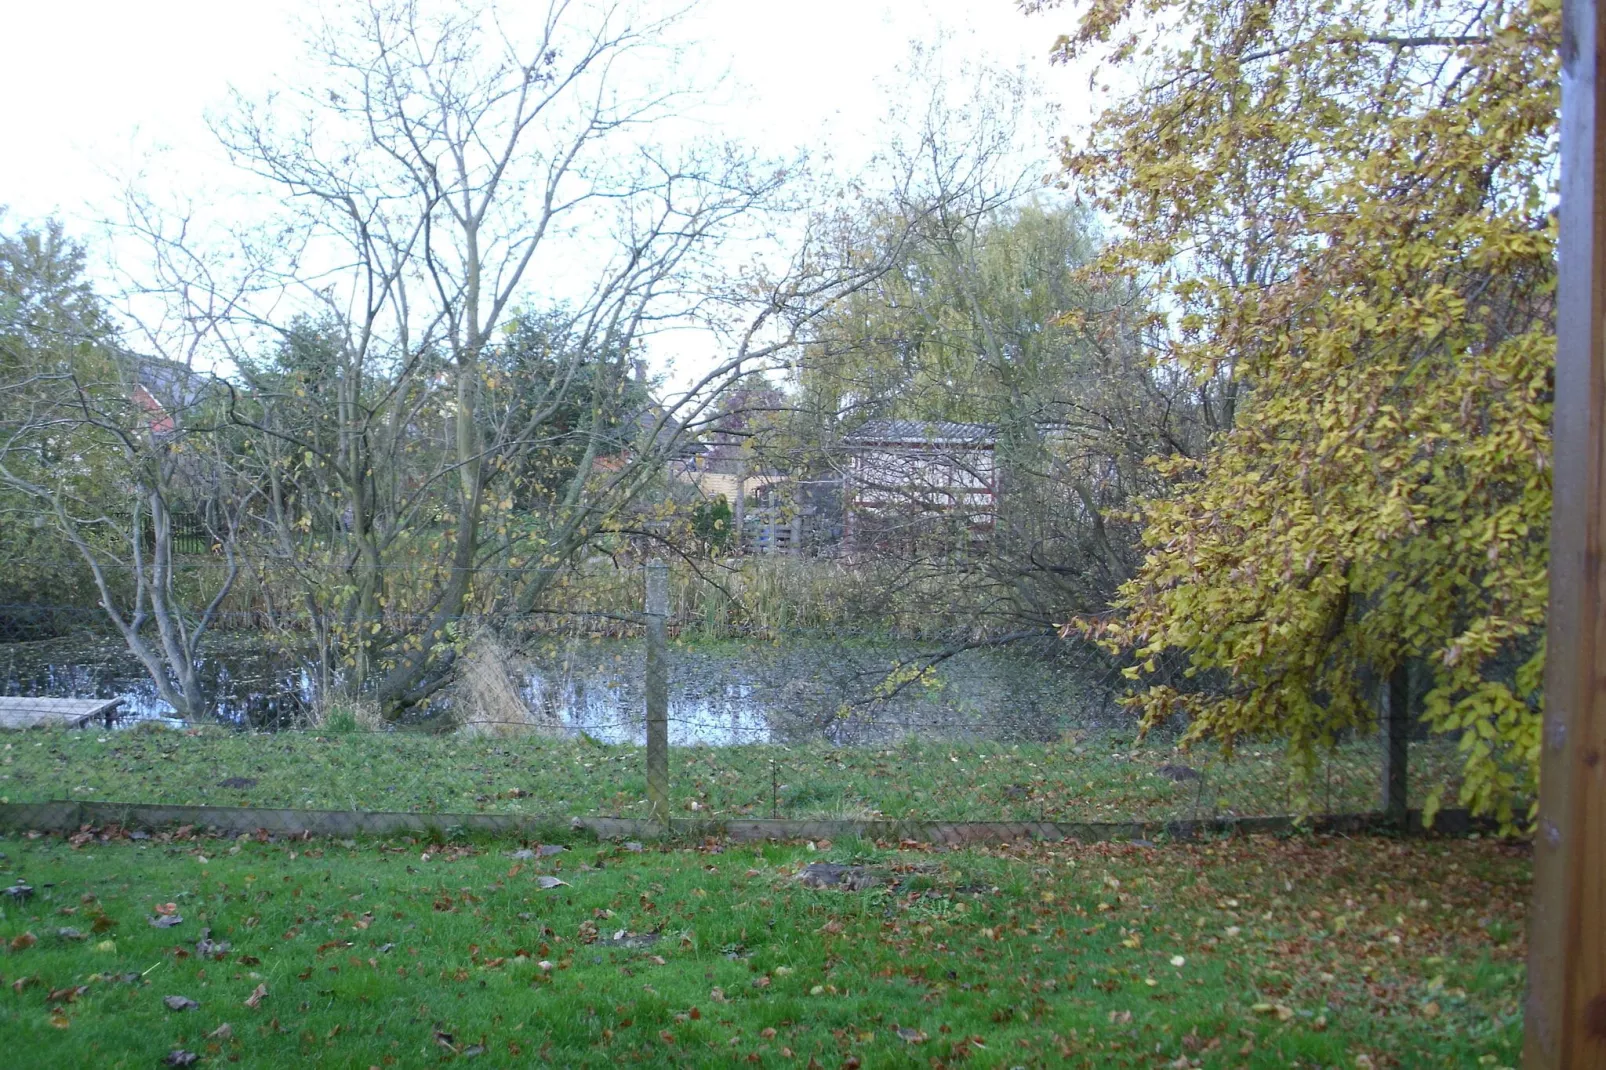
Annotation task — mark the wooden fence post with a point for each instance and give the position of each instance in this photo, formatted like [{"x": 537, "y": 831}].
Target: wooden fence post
[
  {"x": 1565, "y": 1022},
  {"x": 1397, "y": 743},
  {"x": 657, "y": 693}
]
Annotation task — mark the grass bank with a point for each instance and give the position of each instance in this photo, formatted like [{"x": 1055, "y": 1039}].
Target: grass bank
[
  {"x": 1251, "y": 952},
  {"x": 1095, "y": 777}
]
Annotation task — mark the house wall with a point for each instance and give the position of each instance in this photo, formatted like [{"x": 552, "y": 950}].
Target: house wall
[{"x": 713, "y": 484}]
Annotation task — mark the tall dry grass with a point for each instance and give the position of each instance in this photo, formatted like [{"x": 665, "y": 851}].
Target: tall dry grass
[{"x": 487, "y": 701}]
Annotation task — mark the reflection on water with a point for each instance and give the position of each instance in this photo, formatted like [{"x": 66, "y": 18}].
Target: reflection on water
[
  {"x": 721, "y": 693},
  {"x": 758, "y": 692},
  {"x": 255, "y": 686}
]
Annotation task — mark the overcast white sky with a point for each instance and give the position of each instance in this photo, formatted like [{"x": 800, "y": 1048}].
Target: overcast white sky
[{"x": 94, "y": 86}]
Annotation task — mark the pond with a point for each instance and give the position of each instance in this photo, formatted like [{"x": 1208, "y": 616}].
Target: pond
[{"x": 721, "y": 693}]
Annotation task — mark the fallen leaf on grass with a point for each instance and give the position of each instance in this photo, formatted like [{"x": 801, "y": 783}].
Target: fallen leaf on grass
[
  {"x": 71, "y": 934},
  {"x": 66, "y": 995},
  {"x": 222, "y": 1032},
  {"x": 180, "y": 1057},
  {"x": 59, "y": 1020},
  {"x": 256, "y": 995},
  {"x": 911, "y": 1036},
  {"x": 166, "y": 921},
  {"x": 23, "y": 941},
  {"x": 167, "y": 908},
  {"x": 180, "y": 1003},
  {"x": 208, "y": 948},
  {"x": 548, "y": 883}
]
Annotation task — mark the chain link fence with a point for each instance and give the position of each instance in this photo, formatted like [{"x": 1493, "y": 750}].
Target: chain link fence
[{"x": 545, "y": 714}]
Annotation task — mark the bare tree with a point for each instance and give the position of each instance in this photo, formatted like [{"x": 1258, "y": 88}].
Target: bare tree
[
  {"x": 449, "y": 183},
  {"x": 124, "y": 458}
]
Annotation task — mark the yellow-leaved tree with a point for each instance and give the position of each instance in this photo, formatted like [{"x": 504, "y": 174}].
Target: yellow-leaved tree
[{"x": 1343, "y": 209}]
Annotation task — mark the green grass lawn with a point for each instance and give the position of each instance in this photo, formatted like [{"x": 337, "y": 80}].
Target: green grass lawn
[
  {"x": 1083, "y": 778},
  {"x": 1265, "y": 952}
]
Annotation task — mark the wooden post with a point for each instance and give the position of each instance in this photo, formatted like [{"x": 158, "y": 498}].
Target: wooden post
[
  {"x": 657, "y": 693},
  {"x": 1565, "y": 1022},
  {"x": 739, "y": 519},
  {"x": 1396, "y": 743}
]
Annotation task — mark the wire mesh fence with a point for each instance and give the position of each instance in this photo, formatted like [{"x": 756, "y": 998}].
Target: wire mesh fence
[{"x": 545, "y": 713}]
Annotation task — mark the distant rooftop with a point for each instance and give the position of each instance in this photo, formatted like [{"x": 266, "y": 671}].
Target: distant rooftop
[{"x": 172, "y": 384}]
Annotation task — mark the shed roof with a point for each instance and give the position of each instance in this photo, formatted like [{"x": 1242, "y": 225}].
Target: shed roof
[{"x": 922, "y": 432}]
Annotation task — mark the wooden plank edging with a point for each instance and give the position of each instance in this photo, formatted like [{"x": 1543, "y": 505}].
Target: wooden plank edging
[{"x": 70, "y": 816}]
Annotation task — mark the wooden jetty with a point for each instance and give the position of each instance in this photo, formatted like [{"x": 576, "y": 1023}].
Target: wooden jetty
[{"x": 20, "y": 712}]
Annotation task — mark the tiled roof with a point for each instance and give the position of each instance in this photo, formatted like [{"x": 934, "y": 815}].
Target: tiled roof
[{"x": 924, "y": 432}]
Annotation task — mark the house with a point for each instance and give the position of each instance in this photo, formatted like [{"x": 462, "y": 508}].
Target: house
[
  {"x": 906, "y": 479},
  {"x": 164, "y": 392},
  {"x": 771, "y": 509}
]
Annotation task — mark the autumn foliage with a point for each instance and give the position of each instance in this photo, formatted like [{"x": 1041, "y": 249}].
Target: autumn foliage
[{"x": 1343, "y": 213}]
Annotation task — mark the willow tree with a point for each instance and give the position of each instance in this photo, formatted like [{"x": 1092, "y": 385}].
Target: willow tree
[{"x": 1345, "y": 209}]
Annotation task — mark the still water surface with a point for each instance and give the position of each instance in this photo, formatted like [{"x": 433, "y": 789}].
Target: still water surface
[{"x": 720, "y": 693}]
